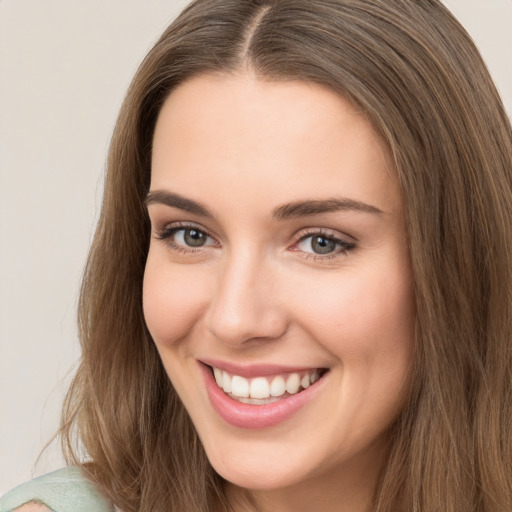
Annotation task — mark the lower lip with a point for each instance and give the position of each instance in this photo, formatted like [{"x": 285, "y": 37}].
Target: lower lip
[{"x": 250, "y": 416}]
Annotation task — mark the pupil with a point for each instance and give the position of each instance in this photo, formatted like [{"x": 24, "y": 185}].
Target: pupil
[
  {"x": 194, "y": 238},
  {"x": 323, "y": 245}
]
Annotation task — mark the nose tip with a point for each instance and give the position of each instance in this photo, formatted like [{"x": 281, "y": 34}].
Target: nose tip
[
  {"x": 232, "y": 327},
  {"x": 245, "y": 309}
]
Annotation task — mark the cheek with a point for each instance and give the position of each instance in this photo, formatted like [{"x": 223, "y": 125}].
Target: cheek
[
  {"x": 367, "y": 323},
  {"x": 172, "y": 300},
  {"x": 366, "y": 318}
]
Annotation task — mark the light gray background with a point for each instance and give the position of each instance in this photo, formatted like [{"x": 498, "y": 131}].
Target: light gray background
[{"x": 64, "y": 68}]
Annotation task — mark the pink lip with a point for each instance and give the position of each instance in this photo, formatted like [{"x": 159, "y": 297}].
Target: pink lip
[
  {"x": 254, "y": 370},
  {"x": 255, "y": 416}
]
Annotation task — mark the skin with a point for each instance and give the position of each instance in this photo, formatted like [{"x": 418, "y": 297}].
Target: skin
[
  {"x": 257, "y": 292},
  {"x": 33, "y": 507}
]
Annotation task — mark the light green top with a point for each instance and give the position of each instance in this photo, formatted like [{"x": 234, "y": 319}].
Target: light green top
[{"x": 64, "y": 490}]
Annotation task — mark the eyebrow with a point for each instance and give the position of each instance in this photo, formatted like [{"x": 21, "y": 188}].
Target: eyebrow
[
  {"x": 317, "y": 207},
  {"x": 287, "y": 211},
  {"x": 177, "y": 201}
]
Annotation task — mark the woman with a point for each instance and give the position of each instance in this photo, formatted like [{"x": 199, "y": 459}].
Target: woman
[{"x": 299, "y": 295}]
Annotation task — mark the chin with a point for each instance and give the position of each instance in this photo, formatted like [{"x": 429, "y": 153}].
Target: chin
[{"x": 263, "y": 476}]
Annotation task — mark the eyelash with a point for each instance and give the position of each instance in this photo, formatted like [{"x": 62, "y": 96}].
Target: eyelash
[
  {"x": 344, "y": 245},
  {"x": 166, "y": 235}
]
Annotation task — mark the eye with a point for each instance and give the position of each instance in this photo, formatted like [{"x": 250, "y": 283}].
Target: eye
[
  {"x": 185, "y": 238},
  {"x": 190, "y": 237},
  {"x": 322, "y": 244}
]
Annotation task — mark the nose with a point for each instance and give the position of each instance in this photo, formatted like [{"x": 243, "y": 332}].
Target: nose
[{"x": 246, "y": 305}]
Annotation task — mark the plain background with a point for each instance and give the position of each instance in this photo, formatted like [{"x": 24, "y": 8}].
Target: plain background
[{"x": 64, "y": 68}]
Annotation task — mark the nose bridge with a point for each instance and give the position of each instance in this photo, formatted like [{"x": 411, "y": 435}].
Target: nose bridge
[{"x": 244, "y": 307}]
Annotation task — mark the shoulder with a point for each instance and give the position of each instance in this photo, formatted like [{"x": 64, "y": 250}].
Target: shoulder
[{"x": 65, "y": 490}]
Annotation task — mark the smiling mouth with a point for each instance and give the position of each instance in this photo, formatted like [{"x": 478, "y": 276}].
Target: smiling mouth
[{"x": 265, "y": 389}]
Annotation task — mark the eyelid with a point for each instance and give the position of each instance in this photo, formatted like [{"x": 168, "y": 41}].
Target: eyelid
[
  {"x": 169, "y": 226},
  {"x": 327, "y": 232}
]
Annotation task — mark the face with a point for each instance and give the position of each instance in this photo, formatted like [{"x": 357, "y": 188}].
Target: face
[{"x": 277, "y": 287}]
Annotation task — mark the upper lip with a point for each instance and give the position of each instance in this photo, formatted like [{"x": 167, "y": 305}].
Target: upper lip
[{"x": 256, "y": 370}]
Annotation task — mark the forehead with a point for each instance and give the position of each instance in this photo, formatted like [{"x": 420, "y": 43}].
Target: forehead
[{"x": 247, "y": 136}]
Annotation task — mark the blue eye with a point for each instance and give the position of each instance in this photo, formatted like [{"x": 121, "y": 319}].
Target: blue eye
[{"x": 323, "y": 245}]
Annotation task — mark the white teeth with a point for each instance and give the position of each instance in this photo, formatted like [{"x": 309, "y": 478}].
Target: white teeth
[
  {"x": 226, "y": 382},
  {"x": 239, "y": 386},
  {"x": 259, "y": 388},
  {"x": 278, "y": 386},
  {"x": 293, "y": 383},
  {"x": 218, "y": 377}
]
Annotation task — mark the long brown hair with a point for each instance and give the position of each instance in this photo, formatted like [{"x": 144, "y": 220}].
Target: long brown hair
[{"x": 414, "y": 71}]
